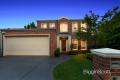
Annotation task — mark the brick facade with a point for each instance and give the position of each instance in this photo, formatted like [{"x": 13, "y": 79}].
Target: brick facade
[
  {"x": 102, "y": 64},
  {"x": 57, "y": 27}
]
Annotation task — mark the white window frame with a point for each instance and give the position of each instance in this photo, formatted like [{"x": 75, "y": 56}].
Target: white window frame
[
  {"x": 76, "y": 43},
  {"x": 64, "y": 27},
  {"x": 85, "y": 44},
  {"x": 52, "y": 25},
  {"x": 43, "y": 25},
  {"x": 74, "y": 26}
]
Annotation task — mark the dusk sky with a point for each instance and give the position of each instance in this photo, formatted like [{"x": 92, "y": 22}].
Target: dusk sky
[{"x": 17, "y": 13}]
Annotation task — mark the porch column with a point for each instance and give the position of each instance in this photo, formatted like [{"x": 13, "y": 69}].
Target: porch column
[
  {"x": 69, "y": 42},
  {"x": 60, "y": 45},
  {"x": 58, "y": 42}
]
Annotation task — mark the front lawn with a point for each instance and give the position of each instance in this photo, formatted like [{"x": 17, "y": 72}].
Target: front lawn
[{"x": 73, "y": 69}]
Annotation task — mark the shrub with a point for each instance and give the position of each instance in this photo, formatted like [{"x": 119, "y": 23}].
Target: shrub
[
  {"x": 72, "y": 52},
  {"x": 57, "y": 52},
  {"x": 71, "y": 46},
  {"x": 89, "y": 56},
  {"x": 84, "y": 51},
  {"x": 80, "y": 57}
]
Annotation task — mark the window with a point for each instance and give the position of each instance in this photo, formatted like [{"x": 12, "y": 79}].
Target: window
[
  {"x": 83, "y": 26},
  {"x": 74, "y": 26},
  {"x": 44, "y": 25},
  {"x": 63, "y": 27},
  {"x": 51, "y": 25},
  {"x": 83, "y": 45},
  {"x": 75, "y": 44}
]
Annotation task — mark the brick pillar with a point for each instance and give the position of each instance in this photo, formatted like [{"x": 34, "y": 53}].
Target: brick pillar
[{"x": 103, "y": 65}]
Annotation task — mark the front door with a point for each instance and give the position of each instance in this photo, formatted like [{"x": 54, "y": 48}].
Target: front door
[{"x": 63, "y": 45}]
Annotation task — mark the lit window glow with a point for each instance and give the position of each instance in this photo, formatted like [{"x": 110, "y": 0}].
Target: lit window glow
[
  {"x": 75, "y": 44},
  {"x": 83, "y": 44},
  {"x": 63, "y": 27},
  {"x": 51, "y": 25},
  {"x": 83, "y": 26},
  {"x": 74, "y": 26},
  {"x": 43, "y": 25}
]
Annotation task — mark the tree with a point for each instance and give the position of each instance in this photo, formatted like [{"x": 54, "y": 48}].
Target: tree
[
  {"x": 25, "y": 27},
  {"x": 90, "y": 32},
  {"x": 30, "y": 26},
  {"x": 109, "y": 29},
  {"x": 104, "y": 30}
]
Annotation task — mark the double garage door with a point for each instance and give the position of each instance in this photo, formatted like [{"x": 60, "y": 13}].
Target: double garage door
[{"x": 34, "y": 45}]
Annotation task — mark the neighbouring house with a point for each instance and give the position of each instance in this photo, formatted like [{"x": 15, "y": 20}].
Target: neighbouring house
[{"x": 49, "y": 35}]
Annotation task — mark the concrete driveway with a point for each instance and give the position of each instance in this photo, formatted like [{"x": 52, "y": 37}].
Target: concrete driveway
[{"x": 28, "y": 68}]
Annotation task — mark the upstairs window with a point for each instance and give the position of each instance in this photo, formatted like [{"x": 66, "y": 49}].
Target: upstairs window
[
  {"x": 83, "y": 26},
  {"x": 63, "y": 27},
  {"x": 43, "y": 25},
  {"x": 74, "y": 26},
  {"x": 51, "y": 25}
]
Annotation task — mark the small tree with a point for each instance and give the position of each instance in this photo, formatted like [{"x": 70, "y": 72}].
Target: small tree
[
  {"x": 30, "y": 26},
  {"x": 90, "y": 32},
  {"x": 71, "y": 47},
  {"x": 57, "y": 52},
  {"x": 25, "y": 27}
]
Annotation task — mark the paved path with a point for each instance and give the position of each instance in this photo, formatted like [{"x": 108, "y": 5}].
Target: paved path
[{"x": 28, "y": 68}]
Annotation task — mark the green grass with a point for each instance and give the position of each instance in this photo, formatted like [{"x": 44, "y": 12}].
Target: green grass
[{"x": 73, "y": 69}]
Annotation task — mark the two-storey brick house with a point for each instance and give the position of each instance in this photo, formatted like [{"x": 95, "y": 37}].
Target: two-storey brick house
[
  {"x": 49, "y": 35},
  {"x": 65, "y": 32}
]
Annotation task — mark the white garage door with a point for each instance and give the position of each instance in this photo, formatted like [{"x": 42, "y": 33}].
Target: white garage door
[{"x": 27, "y": 45}]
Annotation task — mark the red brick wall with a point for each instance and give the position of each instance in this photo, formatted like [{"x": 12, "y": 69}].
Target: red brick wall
[
  {"x": 53, "y": 40},
  {"x": 101, "y": 63}
]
